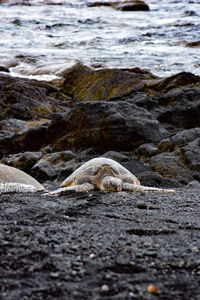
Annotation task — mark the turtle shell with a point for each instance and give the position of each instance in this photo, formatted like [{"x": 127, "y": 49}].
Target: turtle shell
[
  {"x": 10, "y": 174},
  {"x": 89, "y": 170}
]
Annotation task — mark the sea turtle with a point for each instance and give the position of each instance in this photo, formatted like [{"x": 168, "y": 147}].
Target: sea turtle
[
  {"x": 13, "y": 180},
  {"x": 103, "y": 174}
]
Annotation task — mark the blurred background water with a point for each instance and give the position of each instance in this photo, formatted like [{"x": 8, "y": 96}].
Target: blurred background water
[{"x": 41, "y": 39}]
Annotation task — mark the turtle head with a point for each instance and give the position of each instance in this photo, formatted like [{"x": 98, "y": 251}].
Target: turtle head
[{"x": 110, "y": 184}]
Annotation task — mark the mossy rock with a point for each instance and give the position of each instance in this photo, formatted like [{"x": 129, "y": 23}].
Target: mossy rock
[
  {"x": 26, "y": 99},
  {"x": 86, "y": 84}
]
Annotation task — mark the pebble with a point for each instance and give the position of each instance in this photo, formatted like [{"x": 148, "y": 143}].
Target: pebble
[
  {"x": 92, "y": 255},
  {"x": 141, "y": 205},
  {"x": 54, "y": 274},
  {"x": 105, "y": 288},
  {"x": 153, "y": 289}
]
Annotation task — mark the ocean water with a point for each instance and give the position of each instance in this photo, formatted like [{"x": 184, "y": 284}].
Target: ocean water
[{"x": 42, "y": 39}]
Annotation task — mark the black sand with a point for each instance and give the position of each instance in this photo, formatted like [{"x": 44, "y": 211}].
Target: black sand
[{"x": 100, "y": 246}]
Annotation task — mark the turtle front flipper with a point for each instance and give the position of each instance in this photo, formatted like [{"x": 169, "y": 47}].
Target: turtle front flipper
[
  {"x": 76, "y": 188},
  {"x": 140, "y": 188},
  {"x": 13, "y": 187}
]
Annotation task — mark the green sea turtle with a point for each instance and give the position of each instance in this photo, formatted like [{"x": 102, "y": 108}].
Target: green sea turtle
[
  {"x": 103, "y": 174},
  {"x": 13, "y": 180}
]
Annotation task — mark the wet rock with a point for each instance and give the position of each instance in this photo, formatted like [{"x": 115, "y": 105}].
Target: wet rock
[
  {"x": 128, "y": 5},
  {"x": 27, "y": 99},
  {"x": 51, "y": 165},
  {"x": 131, "y": 5},
  {"x": 117, "y": 156},
  {"x": 193, "y": 185},
  {"x": 182, "y": 138},
  {"x": 177, "y": 80},
  {"x": 193, "y": 44},
  {"x": 4, "y": 69},
  {"x": 147, "y": 121},
  {"x": 87, "y": 154},
  {"x": 135, "y": 166},
  {"x": 135, "y": 85},
  {"x": 31, "y": 139},
  {"x": 179, "y": 156},
  {"x": 10, "y": 126},
  {"x": 155, "y": 179},
  {"x": 141, "y": 205},
  {"x": 84, "y": 83},
  {"x": 177, "y": 109},
  {"x": 68, "y": 169},
  {"x": 17, "y": 2},
  {"x": 171, "y": 165},
  {"x": 183, "y": 109},
  {"x": 43, "y": 170},
  {"x": 190, "y": 154},
  {"x": 147, "y": 150},
  {"x": 23, "y": 161},
  {"x": 142, "y": 99},
  {"x": 104, "y": 126}
]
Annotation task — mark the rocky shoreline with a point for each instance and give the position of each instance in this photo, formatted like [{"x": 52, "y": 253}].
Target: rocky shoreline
[
  {"x": 50, "y": 129},
  {"x": 96, "y": 245}
]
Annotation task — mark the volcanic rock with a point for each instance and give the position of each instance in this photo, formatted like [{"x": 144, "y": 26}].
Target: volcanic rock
[
  {"x": 193, "y": 44},
  {"x": 51, "y": 165},
  {"x": 31, "y": 139},
  {"x": 155, "y": 179},
  {"x": 11, "y": 125},
  {"x": 4, "y": 69},
  {"x": 127, "y": 5},
  {"x": 23, "y": 161},
  {"x": 104, "y": 126},
  {"x": 183, "y": 109},
  {"x": 182, "y": 161},
  {"x": 27, "y": 99},
  {"x": 83, "y": 83}
]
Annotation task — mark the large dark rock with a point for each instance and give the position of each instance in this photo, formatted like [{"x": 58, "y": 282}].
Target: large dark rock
[
  {"x": 130, "y": 5},
  {"x": 193, "y": 44},
  {"x": 190, "y": 154},
  {"x": 105, "y": 126},
  {"x": 23, "y": 161},
  {"x": 179, "y": 108},
  {"x": 27, "y": 99},
  {"x": 3, "y": 68},
  {"x": 179, "y": 156},
  {"x": 182, "y": 138},
  {"x": 183, "y": 109},
  {"x": 170, "y": 165},
  {"x": 174, "y": 81},
  {"x": 11, "y": 125},
  {"x": 127, "y": 5},
  {"x": 172, "y": 94},
  {"x": 31, "y": 139},
  {"x": 84, "y": 83},
  {"x": 51, "y": 165},
  {"x": 150, "y": 178}
]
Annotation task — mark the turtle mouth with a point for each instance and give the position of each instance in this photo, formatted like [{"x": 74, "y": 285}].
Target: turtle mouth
[{"x": 114, "y": 189}]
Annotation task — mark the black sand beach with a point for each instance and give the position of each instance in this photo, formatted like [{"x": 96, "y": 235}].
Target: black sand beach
[{"x": 99, "y": 245}]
